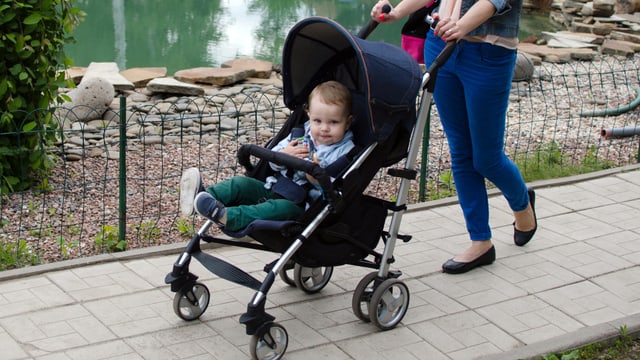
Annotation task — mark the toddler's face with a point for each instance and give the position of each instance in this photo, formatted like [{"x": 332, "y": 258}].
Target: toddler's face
[{"x": 329, "y": 122}]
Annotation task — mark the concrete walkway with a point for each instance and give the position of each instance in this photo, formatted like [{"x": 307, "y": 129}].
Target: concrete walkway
[{"x": 576, "y": 282}]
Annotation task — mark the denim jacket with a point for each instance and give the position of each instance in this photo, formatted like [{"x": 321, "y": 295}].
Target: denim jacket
[{"x": 505, "y": 22}]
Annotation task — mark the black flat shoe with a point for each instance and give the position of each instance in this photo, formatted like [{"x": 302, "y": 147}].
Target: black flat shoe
[
  {"x": 521, "y": 238},
  {"x": 456, "y": 267}
]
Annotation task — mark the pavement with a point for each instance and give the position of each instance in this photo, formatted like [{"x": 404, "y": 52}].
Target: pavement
[{"x": 576, "y": 282}]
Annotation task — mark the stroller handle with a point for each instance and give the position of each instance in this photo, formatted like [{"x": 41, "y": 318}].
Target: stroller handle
[
  {"x": 324, "y": 180},
  {"x": 372, "y": 24}
]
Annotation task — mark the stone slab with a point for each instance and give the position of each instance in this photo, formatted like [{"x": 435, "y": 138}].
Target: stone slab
[
  {"x": 141, "y": 76},
  {"x": 214, "y": 76},
  {"x": 110, "y": 72},
  {"x": 173, "y": 86}
]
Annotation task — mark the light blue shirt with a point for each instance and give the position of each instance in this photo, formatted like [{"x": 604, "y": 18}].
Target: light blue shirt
[{"x": 326, "y": 154}]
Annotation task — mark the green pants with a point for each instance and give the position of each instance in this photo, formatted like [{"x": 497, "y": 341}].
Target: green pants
[{"x": 246, "y": 200}]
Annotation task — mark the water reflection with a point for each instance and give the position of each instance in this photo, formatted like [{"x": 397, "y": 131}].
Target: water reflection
[{"x": 193, "y": 33}]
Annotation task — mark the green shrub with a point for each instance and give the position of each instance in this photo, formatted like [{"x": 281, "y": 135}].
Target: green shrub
[{"x": 33, "y": 34}]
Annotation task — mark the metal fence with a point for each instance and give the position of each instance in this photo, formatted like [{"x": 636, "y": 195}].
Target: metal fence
[{"x": 115, "y": 183}]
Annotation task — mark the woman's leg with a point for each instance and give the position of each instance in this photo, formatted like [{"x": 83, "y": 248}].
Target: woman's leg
[
  {"x": 451, "y": 101},
  {"x": 486, "y": 71}
]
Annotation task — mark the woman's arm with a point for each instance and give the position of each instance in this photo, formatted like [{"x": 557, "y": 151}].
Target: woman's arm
[
  {"x": 450, "y": 30},
  {"x": 401, "y": 10}
]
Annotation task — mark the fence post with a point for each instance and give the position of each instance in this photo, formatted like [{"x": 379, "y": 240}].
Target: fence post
[
  {"x": 424, "y": 162},
  {"x": 122, "y": 183}
]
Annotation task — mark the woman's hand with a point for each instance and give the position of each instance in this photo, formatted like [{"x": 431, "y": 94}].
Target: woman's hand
[
  {"x": 452, "y": 30},
  {"x": 379, "y": 16},
  {"x": 448, "y": 29},
  {"x": 295, "y": 149}
]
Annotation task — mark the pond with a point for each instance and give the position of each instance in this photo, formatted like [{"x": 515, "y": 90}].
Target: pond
[{"x": 193, "y": 33}]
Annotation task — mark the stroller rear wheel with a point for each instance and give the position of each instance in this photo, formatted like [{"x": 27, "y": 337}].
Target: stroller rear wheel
[
  {"x": 389, "y": 303},
  {"x": 312, "y": 279},
  {"x": 284, "y": 275},
  {"x": 362, "y": 296},
  {"x": 191, "y": 301},
  {"x": 270, "y": 342}
]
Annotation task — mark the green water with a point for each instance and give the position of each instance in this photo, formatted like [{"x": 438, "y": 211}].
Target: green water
[{"x": 192, "y": 33}]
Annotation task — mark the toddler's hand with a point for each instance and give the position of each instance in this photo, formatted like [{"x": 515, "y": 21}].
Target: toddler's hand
[{"x": 295, "y": 149}]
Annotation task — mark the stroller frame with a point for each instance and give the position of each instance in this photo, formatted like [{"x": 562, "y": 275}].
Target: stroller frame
[{"x": 380, "y": 297}]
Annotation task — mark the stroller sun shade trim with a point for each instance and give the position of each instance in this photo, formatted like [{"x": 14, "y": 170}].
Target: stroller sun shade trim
[{"x": 383, "y": 78}]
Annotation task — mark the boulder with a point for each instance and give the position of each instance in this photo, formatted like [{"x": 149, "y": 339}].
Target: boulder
[
  {"x": 110, "y": 72},
  {"x": 214, "y": 76},
  {"x": 89, "y": 100},
  {"x": 627, "y": 6},
  {"x": 263, "y": 69},
  {"x": 173, "y": 86},
  {"x": 141, "y": 76},
  {"x": 524, "y": 68}
]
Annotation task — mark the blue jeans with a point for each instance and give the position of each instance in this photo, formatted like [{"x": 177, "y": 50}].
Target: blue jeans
[{"x": 472, "y": 95}]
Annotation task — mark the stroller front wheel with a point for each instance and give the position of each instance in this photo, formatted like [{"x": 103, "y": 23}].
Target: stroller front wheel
[
  {"x": 270, "y": 342},
  {"x": 389, "y": 303},
  {"x": 191, "y": 301}
]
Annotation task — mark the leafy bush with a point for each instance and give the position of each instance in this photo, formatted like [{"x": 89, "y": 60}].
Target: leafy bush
[{"x": 33, "y": 34}]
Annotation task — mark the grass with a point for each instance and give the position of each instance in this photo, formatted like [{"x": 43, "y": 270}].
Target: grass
[
  {"x": 549, "y": 162},
  {"x": 623, "y": 347}
]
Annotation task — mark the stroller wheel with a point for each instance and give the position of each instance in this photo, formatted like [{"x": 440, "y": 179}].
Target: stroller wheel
[
  {"x": 312, "y": 279},
  {"x": 284, "y": 275},
  {"x": 389, "y": 303},
  {"x": 191, "y": 302},
  {"x": 362, "y": 296},
  {"x": 270, "y": 342}
]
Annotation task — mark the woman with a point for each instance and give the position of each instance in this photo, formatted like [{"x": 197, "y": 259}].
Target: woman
[{"x": 472, "y": 95}]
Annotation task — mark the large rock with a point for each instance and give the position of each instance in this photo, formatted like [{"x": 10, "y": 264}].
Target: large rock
[
  {"x": 89, "y": 100},
  {"x": 141, "y": 76},
  {"x": 556, "y": 55},
  {"x": 627, "y": 6},
  {"x": 110, "y": 72},
  {"x": 173, "y": 86},
  {"x": 599, "y": 8},
  {"x": 214, "y": 76},
  {"x": 618, "y": 47},
  {"x": 262, "y": 68},
  {"x": 524, "y": 68}
]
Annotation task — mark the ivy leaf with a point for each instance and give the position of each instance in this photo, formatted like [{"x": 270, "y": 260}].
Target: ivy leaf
[
  {"x": 29, "y": 126},
  {"x": 32, "y": 19}
]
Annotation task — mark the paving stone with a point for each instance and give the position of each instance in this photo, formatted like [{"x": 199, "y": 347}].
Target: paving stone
[
  {"x": 11, "y": 349},
  {"x": 105, "y": 350},
  {"x": 329, "y": 351},
  {"x": 580, "y": 301},
  {"x": 580, "y": 273}
]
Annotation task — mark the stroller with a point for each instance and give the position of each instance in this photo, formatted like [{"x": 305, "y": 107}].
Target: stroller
[{"x": 345, "y": 226}]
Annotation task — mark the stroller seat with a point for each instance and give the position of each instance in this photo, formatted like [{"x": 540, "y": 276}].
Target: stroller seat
[{"x": 344, "y": 226}]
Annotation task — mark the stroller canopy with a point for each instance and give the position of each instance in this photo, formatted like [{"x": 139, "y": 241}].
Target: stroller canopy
[{"x": 384, "y": 79}]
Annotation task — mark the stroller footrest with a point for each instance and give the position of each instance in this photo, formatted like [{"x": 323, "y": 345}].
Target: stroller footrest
[
  {"x": 227, "y": 271},
  {"x": 403, "y": 173}
]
